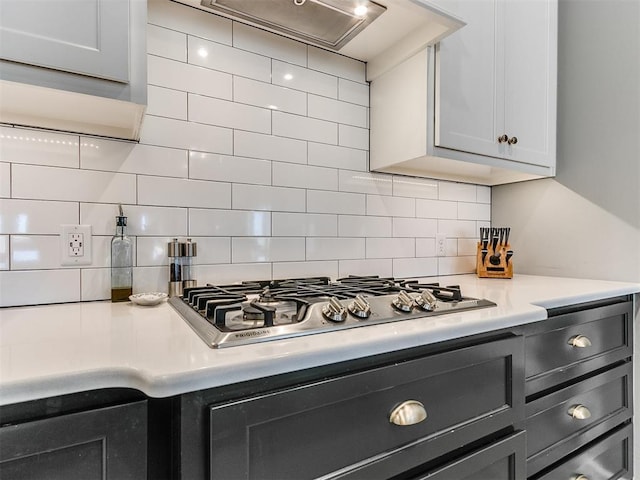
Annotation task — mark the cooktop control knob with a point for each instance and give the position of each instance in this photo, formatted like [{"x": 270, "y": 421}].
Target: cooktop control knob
[
  {"x": 427, "y": 301},
  {"x": 403, "y": 302},
  {"x": 360, "y": 307},
  {"x": 334, "y": 311}
]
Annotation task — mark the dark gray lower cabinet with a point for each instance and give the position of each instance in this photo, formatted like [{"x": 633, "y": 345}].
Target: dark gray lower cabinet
[
  {"x": 104, "y": 444},
  {"x": 341, "y": 427}
]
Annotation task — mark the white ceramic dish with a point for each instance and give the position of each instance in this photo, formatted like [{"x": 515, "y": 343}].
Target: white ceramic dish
[{"x": 147, "y": 299}]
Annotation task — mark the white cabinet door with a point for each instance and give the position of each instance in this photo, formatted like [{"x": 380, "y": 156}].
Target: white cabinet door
[
  {"x": 90, "y": 37},
  {"x": 497, "y": 78}
]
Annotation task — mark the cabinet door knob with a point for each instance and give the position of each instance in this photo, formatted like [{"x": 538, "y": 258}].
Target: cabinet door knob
[
  {"x": 408, "y": 413},
  {"x": 503, "y": 138},
  {"x": 512, "y": 140},
  {"x": 579, "y": 477},
  {"x": 579, "y": 412},
  {"x": 579, "y": 341}
]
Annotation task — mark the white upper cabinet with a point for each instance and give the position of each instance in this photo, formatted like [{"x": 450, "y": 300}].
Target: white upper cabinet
[
  {"x": 76, "y": 65},
  {"x": 489, "y": 99}
]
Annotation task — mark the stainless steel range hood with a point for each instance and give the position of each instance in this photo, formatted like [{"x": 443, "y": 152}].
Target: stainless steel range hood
[
  {"x": 328, "y": 23},
  {"x": 391, "y": 31}
]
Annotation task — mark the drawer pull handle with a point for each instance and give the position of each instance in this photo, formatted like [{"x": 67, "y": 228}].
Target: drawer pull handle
[
  {"x": 580, "y": 341},
  {"x": 579, "y": 477},
  {"x": 579, "y": 412},
  {"x": 408, "y": 413}
]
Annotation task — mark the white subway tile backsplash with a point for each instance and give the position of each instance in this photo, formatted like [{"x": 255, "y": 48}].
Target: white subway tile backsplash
[
  {"x": 189, "y": 20},
  {"x": 35, "y": 252},
  {"x": 425, "y": 247},
  {"x": 163, "y": 72},
  {"x": 304, "y": 225},
  {"x": 390, "y": 247},
  {"x": 179, "y": 192},
  {"x": 436, "y": 209},
  {"x": 231, "y": 273},
  {"x": 38, "y": 147},
  {"x": 235, "y": 223},
  {"x": 267, "y": 249},
  {"x": 415, "y": 187},
  {"x": 279, "y": 199},
  {"x": 128, "y": 157},
  {"x": 304, "y": 128},
  {"x": 483, "y": 194},
  {"x": 382, "y": 267},
  {"x": 52, "y": 183},
  {"x": 141, "y": 220},
  {"x": 456, "y": 265},
  {"x": 167, "y": 132},
  {"x": 353, "y": 137},
  {"x": 335, "y": 202},
  {"x": 4, "y": 252},
  {"x": 32, "y": 287},
  {"x": 457, "y": 228},
  {"x": 269, "y": 96},
  {"x": 335, "y": 248},
  {"x": 415, "y": 267},
  {"x": 461, "y": 192},
  {"x": 36, "y": 217},
  {"x": 304, "y": 176},
  {"x": 391, "y": 206},
  {"x": 225, "y": 168},
  {"x": 165, "y": 102},
  {"x": 269, "y": 147},
  {"x": 166, "y": 43},
  {"x": 228, "y": 59},
  {"x": 337, "y": 157},
  {"x": 362, "y": 226},
  {"x": 361, "y": 182},
  {"x": 223, "y": 113},
  {"x": 264, "y": 43},
  {"x": 5, "y": 180},
  {"x": 337, "y": 111},
  {"x": 255, "y": 146},
  {"x": 299, "y": 78},
  {"x": 95, "y": 284},
  {"x": 336, "y": 64},
  {"x": 321, "y": 268},
  {"x": 474, "y": 211},
  {"x": 353, "y": 92},
  {"x": 414, "y": 227}
]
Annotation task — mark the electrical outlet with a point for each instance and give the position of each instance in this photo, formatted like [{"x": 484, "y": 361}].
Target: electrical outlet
[
  {"x": 441, "y": 245},
  {"x": 75, "y": 245}
]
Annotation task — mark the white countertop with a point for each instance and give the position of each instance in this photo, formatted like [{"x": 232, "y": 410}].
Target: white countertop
[{"x": 58, "y": 349}]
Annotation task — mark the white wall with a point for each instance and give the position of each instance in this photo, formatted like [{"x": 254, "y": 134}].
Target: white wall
[
  {"x": 265, "y": 193},
  {"x": 586, "y": 221}
]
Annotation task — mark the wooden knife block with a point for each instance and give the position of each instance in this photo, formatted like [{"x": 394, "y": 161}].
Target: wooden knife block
[{"x": 488, "y": 270}]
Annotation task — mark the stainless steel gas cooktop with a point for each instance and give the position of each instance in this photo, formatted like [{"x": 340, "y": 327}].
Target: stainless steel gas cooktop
[{"x": 258, "y": 311}]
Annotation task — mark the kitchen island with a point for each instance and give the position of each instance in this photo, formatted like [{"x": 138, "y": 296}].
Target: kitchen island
[{"x": 52, "y": 351}]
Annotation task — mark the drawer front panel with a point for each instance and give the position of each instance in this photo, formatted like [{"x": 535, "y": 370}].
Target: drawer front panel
[
  {"x": 598, "y": 403},
  {"x": 603, "y": 336},
  {"x": 609, "y": 459},
  {"x": 317, "y": 429}
]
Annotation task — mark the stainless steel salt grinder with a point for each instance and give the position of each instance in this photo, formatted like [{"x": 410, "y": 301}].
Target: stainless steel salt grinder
[
  {"x": 189, "y": 250},
  {"x": 175, "y": 267}
]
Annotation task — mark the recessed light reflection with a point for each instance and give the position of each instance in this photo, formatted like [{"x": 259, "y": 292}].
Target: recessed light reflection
[
  {"x": 272, "y": 107},
  {"x": 288, "y": 76},
  {"x": 360, "y": 10},
  {"x": 203, "y": 52}
]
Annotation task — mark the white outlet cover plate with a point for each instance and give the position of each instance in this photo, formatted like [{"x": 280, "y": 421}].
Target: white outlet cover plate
[
  {"x": 65, "y": 234},
  {"x": 441, "y": 245}
]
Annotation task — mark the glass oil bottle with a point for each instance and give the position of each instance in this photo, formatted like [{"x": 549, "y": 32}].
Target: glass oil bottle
[{"x": 121, "y": 261}]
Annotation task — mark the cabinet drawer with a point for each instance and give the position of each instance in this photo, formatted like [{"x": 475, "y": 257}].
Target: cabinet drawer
[
  {"x": 502, "y": 460},
  {"x": 610, "y": 458},
  {"x": 106, "y": 443},
  {"x": 551, "y": 359},
  {"x": 314, "y": 430},
  {"x": 598, "y": 404}
]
